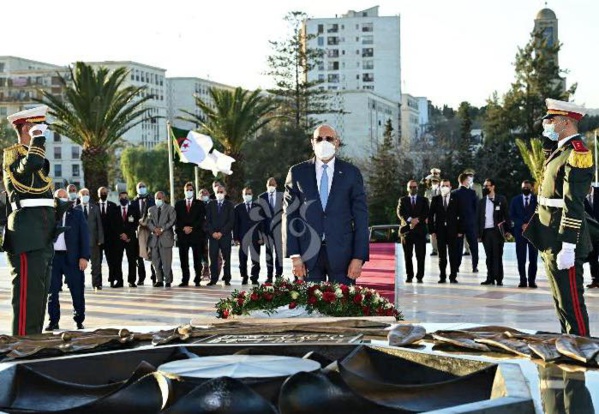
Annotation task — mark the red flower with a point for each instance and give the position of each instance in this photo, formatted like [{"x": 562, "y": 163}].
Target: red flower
[
  {"x": 358, "y": 299},
  {"x": 299, "y": 281},
  {"x": 254, "y": 296},
  {"x": 368, "y": 295},
  {"x": 311, "y": 289},
  {"x": 241, "y": 294},
  {"x": 292, "y": 305},
  {"x": 389, "y": 312},
  {"x": 366, "y": 310},
  {"x": 329, "y": 297},
  {"x": 344, "y": 289},
  {"x": 240, "y": 301},
  {"x": 312, "y": 300},
  {"x": 267, "y": 296},
  {"x": 225, "y": 314},
  {"x": 266, "y": 284}
]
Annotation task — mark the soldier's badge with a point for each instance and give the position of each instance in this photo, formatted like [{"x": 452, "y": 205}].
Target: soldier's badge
[{"x": 580, "y": 157}]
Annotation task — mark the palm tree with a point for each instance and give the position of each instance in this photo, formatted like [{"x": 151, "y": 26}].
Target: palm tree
[
  {"x": 231, "y": 118},
  {"x": 533, "y": 157},
  {"x": 95, "y": 111}
]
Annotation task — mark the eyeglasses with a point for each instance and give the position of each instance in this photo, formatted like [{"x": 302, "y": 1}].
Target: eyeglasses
[{"x": 327, "y": 139}]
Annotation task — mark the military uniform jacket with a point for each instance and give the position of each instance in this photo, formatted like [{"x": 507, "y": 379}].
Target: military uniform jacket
[
  {"x": 567, "y": 175},
  {"x": 26, "y": 177}
]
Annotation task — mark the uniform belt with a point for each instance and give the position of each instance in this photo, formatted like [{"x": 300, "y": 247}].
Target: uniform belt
[
  {"x": 551, "y": 202},
  {"x": 34, "y": 202}
]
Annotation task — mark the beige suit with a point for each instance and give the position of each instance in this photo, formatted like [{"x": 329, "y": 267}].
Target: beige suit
[{"x": 162, "y": 246}]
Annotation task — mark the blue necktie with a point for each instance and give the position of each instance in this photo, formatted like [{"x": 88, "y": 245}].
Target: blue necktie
[{"x": 324, "y": 187}]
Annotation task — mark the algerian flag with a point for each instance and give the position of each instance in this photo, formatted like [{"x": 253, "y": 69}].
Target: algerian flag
[{"x": 195, "y": 148}]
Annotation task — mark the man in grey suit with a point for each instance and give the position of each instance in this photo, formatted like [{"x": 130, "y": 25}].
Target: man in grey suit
[
  {"x": 161, "y": 221},
  {"x": 92, "y": 214},
  {"x": 271, "y": 202}
]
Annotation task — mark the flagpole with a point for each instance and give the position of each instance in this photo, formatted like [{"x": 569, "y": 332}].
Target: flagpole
[
  {"x": 171, "y": 163},
  {"x": 197, "y": 177},
  {"x": 596, "y": 159}
]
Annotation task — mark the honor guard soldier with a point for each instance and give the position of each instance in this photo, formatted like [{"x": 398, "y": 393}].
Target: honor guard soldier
[
  {"x": 31, "y": 222},
  {"x": 559, "y": 229}
]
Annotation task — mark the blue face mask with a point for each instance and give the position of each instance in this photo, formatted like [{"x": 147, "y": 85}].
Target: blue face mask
[
  {"x": 549, "y": 132},
  {"x": 158, "y": 203},
  {"x": 142, "y": 191},
  {"x": 72, "y": 196},
  {"x": 85, "y": 199}
]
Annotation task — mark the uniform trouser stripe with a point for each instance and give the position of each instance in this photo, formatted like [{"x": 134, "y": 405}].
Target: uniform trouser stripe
[
  {"x": 575, "y": 302},
  {"x": 23, "y": 296}
]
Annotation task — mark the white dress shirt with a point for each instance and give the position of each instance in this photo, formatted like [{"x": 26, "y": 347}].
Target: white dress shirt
[
  {"x": 60, "y": 244},
  {"x": 489, "y": 209},
  {"x": 330, "y": 172},
  {"x": 562, "y": 142}
]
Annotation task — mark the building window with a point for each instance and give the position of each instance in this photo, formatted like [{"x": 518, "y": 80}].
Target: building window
[
  {"x": 1, "y": 67},
  {"x": 321, "y": 28},
  {"x": 367, "y": 27},
  {"x": 75, "y": 153},
  {"x": 333, "y": 78},
  {"x": 333, "y": 28},
  {"x": 357, "y": 38},
  {"x": 57, "y": 153},
  {"x": 76, "y": 170},
  {"x": 332, "y": 40},
  {"x": 320, "y": 66},
  {"x": 368, "y": 77},
  {"x": 333, "y": 53},
  {"x": 367, "y": 52},
  {"x": 367, "y": 40},
  {"x": 321, "y": 77},
  {"x": 321, "y": 41},
  {"x": 334, "y": 65},
  {"x": 56, "y": 137},
  {"x": 57, "y": 170},
  {"x": 368, "y": 64},
  {"x": 371, "y": 87}
]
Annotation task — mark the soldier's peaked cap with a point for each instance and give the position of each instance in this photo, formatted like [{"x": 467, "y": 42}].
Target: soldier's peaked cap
[
  {"x": 34, "y": 115},
  {"x": 562, "y": 108}
]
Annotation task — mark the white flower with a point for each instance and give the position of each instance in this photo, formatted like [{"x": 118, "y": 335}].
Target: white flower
[
  {"x": 388, "y": 305},
  {"x": 338, "y": 293},
  {"x": 269, "y": 288},
  {"x": 376, "y": 298},
  {"x": 294, "y": 295},
  {"x": 318, "y": 293},
  {"x": 352, "y": 290}
]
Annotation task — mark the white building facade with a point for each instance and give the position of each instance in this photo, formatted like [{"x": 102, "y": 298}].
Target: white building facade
[{"x": 410, "y": 120}]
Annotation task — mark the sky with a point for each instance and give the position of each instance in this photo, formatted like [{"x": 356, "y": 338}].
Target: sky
[{"x": 451, "y": 50}]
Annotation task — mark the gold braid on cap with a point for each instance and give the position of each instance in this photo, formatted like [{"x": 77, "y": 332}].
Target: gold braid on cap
[{"x": 13, "y": 154}]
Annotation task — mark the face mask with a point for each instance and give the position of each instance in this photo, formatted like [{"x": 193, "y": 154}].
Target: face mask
[
  {"x": 85, "y": 199},
  {"x": 103, "y": 197},
  {"x": 435, "y": 186},
  {"x": 271, "y": 188},
  {"x": 526, "y": 191},
  {"x": 159, "y": 203},
  {"x": 64, "y": 199},
  {"x": 124, "y": 201},
  {"x": 142, "y": 191},
  {"x": 445, "y": 190},
  {"x": 324, "y": 150},
  {"x": 247, "y": 198},
  {"x": 72, "y": 196},
  {"x": 486, "y": 192},
  {"x": 205, "y": 199},
  {"x": 470, "y": 181},
  {"x": 549, "y": 132},
  {"x": 220, "y": 196},
  {"x": 189, "y": 194},
  {"x": 413, "y": 191}
]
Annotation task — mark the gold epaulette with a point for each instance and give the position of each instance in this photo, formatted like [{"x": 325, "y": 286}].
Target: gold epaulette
[
  {"x": 580, "y": 157},
  {"x": 12, "y": 153}
]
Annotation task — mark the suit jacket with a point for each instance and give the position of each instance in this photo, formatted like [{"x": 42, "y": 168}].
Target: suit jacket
[
  {"x": 501, "y": 214},
  {"x": 195, "y": 218},
  {"x": 222, "y": 222},
  {"x": 521, "y": 215},
  {"x": 127, "y": 226},
  {"x": 468, "y": 203},
  {"x": 406, "y": 211},
  {"x": 245, "y": 222},
  {"x": 440, "y": 219},
  {"x": 76, "y": 237},
  {"x": 273, "y": 217},
  {"x": 94, "y": 223},
  {"x": 166, "y": 222},
  {"x": 149, "y": 202},
  {"x": 593, "y": 210},
  {"x": 344, "y": 222},
  {"x": 108, "y": 225}
]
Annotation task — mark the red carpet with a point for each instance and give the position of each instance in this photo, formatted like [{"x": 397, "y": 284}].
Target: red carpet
[{"x": 379, "y": 272}]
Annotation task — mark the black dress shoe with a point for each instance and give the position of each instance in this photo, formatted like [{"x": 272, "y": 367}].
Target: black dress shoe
[
  {"x": 418, "y": 280},
  {"x": 442, "y": 281},
  {"x": 168, "y": 285},
  {"x": 466, "y": 254},
  {"x": 499, "y": 283},
  {"x": 453, "y": 281},
  {"x": 522, "y": 285},
  {"x": 98, "y": 287},
  {"x": 141, "y": 283},
  {"x": 117, "y": 285},
  {"x": 255, "y": 283},
  {"x": 228, "y": 283},
  {"x": 475, "y": 270},
  {"x": 184, "y": 284},
  {"x": 158, "y": 284},
  {"x": 132, "y": 285},
  {"x": 210, "y": 283},
  {"x": 593, "y": 285},
  {"x": 408, "y": 280},
  {"x": 533, "y": 285},
  {"x": 244, "y": 281},
  {"x": 51, "y": 327},
  {"x": 487, "y": 282},
  {"x": 269, "y": 279},
  {"x": 434, "y": 254},
  {"x": 80, "y": 325},
  {"x": 197, "y": 284}
]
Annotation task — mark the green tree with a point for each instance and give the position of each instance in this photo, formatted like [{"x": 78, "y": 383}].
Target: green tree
[
  {"x": 289, "y": 64},
  {"x": 533, "y": 157},
  {"x": 232, "y": 118},
  {"x": 8, "y": 136},
  {"x": 95, "y": 111},
  {"x": 464, "y": 151}
]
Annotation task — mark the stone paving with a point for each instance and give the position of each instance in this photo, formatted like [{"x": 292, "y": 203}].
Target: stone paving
[{"x": 466, "y": 302}]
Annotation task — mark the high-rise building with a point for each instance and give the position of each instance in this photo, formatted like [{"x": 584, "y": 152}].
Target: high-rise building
[{"x": 410, "y": 120}]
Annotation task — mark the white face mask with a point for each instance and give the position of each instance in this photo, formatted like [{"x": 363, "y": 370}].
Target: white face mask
[
  {"x": 73, "y": 196},
  {"x": 64, "y": 199},
  {"x": 220, "y": 196},
  {"x": 85, "y": 199},
  {"x": 248, "y": 198},
  {"x": 271, "y": 188},
  {"x": 205, "y": 198},
  {"x": 549, "y": 132},
  {"x": 189, "y": 194},
  {"x": 324, "y": 150},
  {"x": 435, "y": 186},
  {"x": 445, "y": 190},
  {"x": 159, "y": 203}
]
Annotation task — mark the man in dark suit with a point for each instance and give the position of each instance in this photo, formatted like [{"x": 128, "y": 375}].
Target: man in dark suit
[
  {"x": 141, "y": 204},
  {"x": 326, "y": 215},
  {"x": 522, "y": 207},
  {"x": 71, "y": 255},
  {"x": 493, "y": 226},
  {"x": 271, "y": 202},
  {"x": 107, "y": 211},
  {"x": 91, "y": 211},
  {"x": 248, "y": 235},
  {"x": 591, "y": 206},
  {"x": 125, "y": 219},
  {"x": 220, "y": 218},
  {"x": 191, "y": 217},
  {"x": 445, "y": 221},
  {"x": 467, "y": 201},
  {"x": 412, "y": 211}
]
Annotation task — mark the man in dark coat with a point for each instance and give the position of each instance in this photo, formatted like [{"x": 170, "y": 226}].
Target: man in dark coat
[
  {"x": 220, "y": 218},
  {"x": 412, "y": 211}
]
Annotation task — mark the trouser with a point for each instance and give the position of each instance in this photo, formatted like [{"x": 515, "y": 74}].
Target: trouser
[
  {"x": 96, "y": 265},
  {"x": 131, "y": 249},
  {"x": 75, "y": 281},
  {"x": 563, "y": 391},
  {"x": 523, "y": 246},
  {"x": 274, "y": 248},
  {"x": 493, "y": 243},
  {"x": 197, "y": 250},
  {"x": 30, "y": 273},
  {"x": 108, "y": 250},
  {"x": 417, "y": 244},
  {"x": 593, "y": 260},
  {"x": 568, "y": 294},
  {"x": 253, "y": 251},
  {"x": 222, "y": 246},
  {"x": 471, "y": 238},
  {"x": 434, "y": 243},
  {"x": 322, "y": 269},
  {"x": 141, "y": 269},
  {"x": 162, "y": 259},
  {"x": 447, "y": 246}
]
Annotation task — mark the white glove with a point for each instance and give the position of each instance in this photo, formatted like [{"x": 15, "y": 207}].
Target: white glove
[
  {"x": 565, "y": 258},
  {"x": 38, "y": 127}
]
